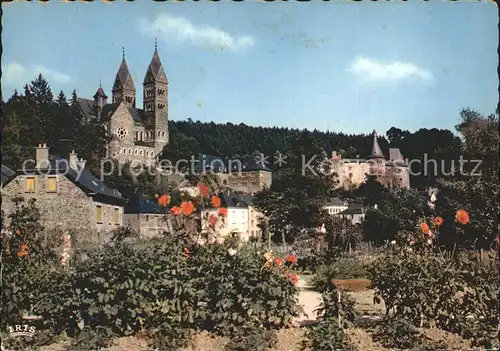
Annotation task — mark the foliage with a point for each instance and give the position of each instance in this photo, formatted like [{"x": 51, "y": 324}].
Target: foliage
[
  {"x": 398, "y": 333},
  {"x": 299, "y": 189},
  {"x": 457, "y": 294},
  {"x": 326, "y": 336},
  {"x": 242, "y": 287},
  {"x": 335, "y": 305},
  {"x": 252, "y": 338}
]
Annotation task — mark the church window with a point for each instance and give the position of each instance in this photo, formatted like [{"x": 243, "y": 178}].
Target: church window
[
  {"x": 161, "y": 91},
  {"x": 140, "y": 136},
  {"x": 124, "y": 150},
  {"x": 159, "y": 133},
  {"x": 128, "y": 99},
  {"x": 147, "y": 153},
  {"x": 136, "y": 152},
  {"x": 161, "y": 106},
  {"x": 130, "y": 151},
  {"x": 152, "y": 153},
  {"x": 136, "y": 135},
  {"x": 121, "y": 132},
  {"x": 141, "y": 152}
]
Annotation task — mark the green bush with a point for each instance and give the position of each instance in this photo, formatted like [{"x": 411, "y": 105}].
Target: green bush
[
  {"x": 239, "y": 288},
  {"x": 326, "y": 336},
  {"x": 393, "y": 332},
  {"x": 252, "y": 338},
  {"x": 455, "y": 294}
]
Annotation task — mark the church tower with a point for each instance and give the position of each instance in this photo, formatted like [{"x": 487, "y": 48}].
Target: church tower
[
  {"x": 124, "y": 88},
  {"x": 156, "y": 103}
]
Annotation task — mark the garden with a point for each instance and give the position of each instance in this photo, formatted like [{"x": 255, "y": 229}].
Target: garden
[{"x": 197, "y": 292}]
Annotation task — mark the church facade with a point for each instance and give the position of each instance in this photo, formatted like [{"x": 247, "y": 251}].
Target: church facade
[{"x": 135, "y": 134}]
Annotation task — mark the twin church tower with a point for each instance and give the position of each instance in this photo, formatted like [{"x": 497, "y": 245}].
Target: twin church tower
[{"x": 135, "y": 134}]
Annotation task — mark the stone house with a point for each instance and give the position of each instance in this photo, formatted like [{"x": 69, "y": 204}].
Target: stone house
[
  {"x": 67, "y": 195},
  {"x": 392, "y": 173},
  {"x": 355, "y": 213},
  {"x": 244, "y": 174},
  {"x": 145, "y": 217}
]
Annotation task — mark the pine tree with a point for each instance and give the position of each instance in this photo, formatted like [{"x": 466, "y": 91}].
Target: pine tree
[
  {"x": 61, "y": 101},
  {"x": 40, "y": 89}
]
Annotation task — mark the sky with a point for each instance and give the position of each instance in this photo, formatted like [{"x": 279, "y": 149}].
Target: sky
[{"x": 345, "y": 67}]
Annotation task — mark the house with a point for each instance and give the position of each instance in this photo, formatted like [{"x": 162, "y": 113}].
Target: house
[
  {"x": 244, "y": 174},
  {"x": 67, "y": 195},
  {"x": 242, "y": 218},
  {"x": 335, "y": 205},
  {"x": 355, "y": 213},
  {"x": 144, "y": 216}
]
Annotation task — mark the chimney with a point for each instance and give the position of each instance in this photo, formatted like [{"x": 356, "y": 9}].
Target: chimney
[
  {"x": 81, "y": 163},
  {"x": 42, "y": 156},
  {"x": 73, "y": 159}
]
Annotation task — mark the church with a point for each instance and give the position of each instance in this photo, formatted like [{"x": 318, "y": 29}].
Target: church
[{"x": 135, "y": 134}]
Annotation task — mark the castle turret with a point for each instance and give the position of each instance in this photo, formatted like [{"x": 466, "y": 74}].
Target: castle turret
[
  {"x": 124, "y": 88},
  {"x": 156, "y": 103},
  {"x": 376, "y": 150}
]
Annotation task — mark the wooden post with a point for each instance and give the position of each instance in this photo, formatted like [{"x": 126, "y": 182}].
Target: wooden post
[{"x": 339, "y": 317}]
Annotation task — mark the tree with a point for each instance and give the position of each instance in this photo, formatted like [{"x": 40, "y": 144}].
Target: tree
[
  {"x": 299, "y": 189},
  {"x": 180, "y": 147}
]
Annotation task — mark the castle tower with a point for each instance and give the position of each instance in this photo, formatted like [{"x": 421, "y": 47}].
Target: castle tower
[
  {"x": 100, "y": 99},
  {"x": 376, "y": 158},
  {"x": 124, "y": 88},
  {"x": 156, "y": 103}
]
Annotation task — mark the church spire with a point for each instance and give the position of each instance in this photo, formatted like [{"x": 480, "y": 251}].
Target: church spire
[
  {"x": 155, "y": 70},
  {"x": 123, "y": 87},
  {"x": 376, "y": 150}
]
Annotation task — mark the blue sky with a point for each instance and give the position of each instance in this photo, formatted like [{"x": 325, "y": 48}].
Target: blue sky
[{"x": 348, "y": 67}]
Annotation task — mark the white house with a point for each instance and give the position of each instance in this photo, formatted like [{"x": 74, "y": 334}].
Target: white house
[
  {"x": 335, "y": 205},
  {"x": 242, "y": 218}
]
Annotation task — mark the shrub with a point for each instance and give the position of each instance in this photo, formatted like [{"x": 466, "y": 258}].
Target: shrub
[
  {"x": 242, "y": 287},
  {"x": 252, "y": 338},
  {"x": 394, "y": 332},
  {"x": 326, "y": 336}
]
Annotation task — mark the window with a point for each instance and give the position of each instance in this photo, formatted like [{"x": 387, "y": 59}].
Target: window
[
  {"x": 99, "y": 214},
  {"x": 52, "y": 185},
  {"x": 117, "y": 216},
  {"x": 30, "y": 184}
]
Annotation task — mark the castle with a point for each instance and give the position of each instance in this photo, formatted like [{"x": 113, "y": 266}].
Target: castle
[
  {"x": 392, "y": 173},
  {"x": 135, "y": 134}
]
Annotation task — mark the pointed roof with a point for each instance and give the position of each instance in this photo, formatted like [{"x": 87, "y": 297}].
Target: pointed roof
[
  {"x": 376, "y": 150},
  {"x": 123, "y": 78},
  {"x": 155, "y": 68},
  {"x": 100, "y": 93}
]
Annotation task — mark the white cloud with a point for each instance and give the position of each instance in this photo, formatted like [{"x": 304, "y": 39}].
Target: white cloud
[
  {"x": 388, "y": 71},
  {"x": 16, "y": 75},
  {"x": 169, "y": 27}
]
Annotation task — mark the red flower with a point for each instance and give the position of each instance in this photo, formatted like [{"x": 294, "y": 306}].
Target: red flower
[
  {"x": 291, "y": 259},
  {"x": 222, "y": 211},
  {"x": 186, "y": 252},
  {"x": 462, "y": 217},
  {"x": 164, "y": 200},
  {"x": 176, "y": 211},
  {"x": 438, "y": 221},
  {"x": 293, "y": 278},
  {"x": 23, "y": 250},
  {"x": 215, "y": 201},
  {"x": 18, "y": 232},
  {"x": 278, "y": 261},
  {"x": 203, "y": 190},
  {"x": 213, "y": 219},
  {"x": 187, "y": 208},
  {"x": 424, "y": 227}
]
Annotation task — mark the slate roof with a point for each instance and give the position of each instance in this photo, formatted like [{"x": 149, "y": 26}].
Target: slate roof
[
  {"x": 123, "y": 78},
  {"x": 235, "y": 200},
  {"x": 156, "y": 69},
  {"x": 335, "y": 201},
  {"x": 376, "y": 150},
  {"x": 85, "y": 180},
  {"x": 142, "y": 204},
  {"x": 7, "y": 174},
  {"x": 353, "y": 209},
  {"x": 89, "y": 110}
]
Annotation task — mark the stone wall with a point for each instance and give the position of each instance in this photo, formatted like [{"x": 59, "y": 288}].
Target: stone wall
[{"x": 146, "y": 225}]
